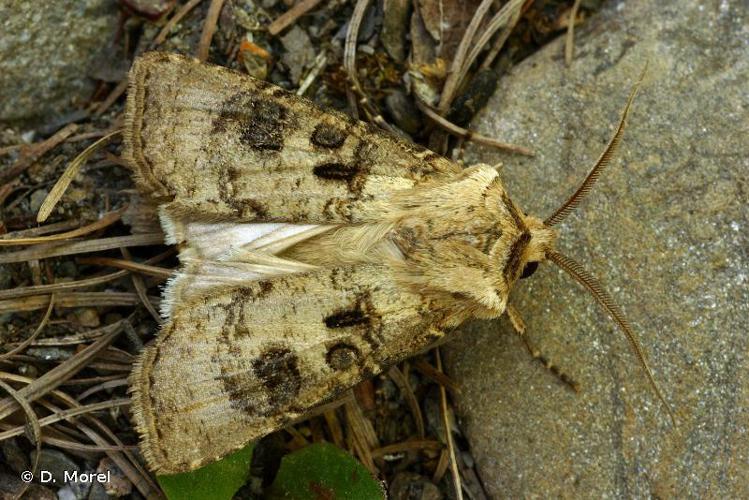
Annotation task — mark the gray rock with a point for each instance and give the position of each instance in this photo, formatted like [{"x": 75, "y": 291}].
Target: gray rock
[
  {"x": 46, "y": 51},
  {"x": 36, "y": 199},
  {"x": 10, "y": 485},
  {"x": 665, "y": 230},
  {"x": 80, "y": 489},
  {"x": 66, "y": 493},
  {"x": 411, "y": 486},
  {"x": 56, "y": 463},
  {"x": 98, "y": 492},
  {"x": 394, "y": 27},
  {"x": 299, "y": 52},
  {"x": 404, "y": 113},
  {"x": 13, "y": 456},
  {"x": 118, "y": 485},
  {"x": 39, "y": 492}
]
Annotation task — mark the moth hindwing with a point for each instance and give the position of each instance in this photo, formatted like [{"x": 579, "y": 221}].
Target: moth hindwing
[{"x": 316, "y": 251}]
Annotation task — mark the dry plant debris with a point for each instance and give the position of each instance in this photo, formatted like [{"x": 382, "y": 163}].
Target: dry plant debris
[{"x": 79, "y": 294}]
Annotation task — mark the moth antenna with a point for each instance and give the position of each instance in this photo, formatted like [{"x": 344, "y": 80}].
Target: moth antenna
[
  {"x": 580, "y": 275},
  {"x": 603, "y": 161}
]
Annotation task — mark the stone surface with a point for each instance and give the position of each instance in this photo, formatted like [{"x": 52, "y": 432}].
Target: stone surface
[
  {"x": 665, "y": 230},
  {"x": 55, "y": 462},
  {"x": 46, "y": 52}
]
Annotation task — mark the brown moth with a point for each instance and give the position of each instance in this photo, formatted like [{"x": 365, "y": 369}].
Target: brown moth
[{"x": 317, "y": 251}]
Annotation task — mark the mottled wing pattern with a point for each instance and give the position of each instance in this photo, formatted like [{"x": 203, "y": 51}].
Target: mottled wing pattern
[
  {"x": 239, "y": 363},
  {"x": 223, "y": 146}
]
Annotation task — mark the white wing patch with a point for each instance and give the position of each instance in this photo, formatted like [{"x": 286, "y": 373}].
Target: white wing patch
[
  {"x": 218, "y": 240},
  {"x": 215, "y": 254}
]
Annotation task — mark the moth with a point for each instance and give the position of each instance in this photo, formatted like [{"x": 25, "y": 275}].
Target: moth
[{"x": 316, "y": 251}]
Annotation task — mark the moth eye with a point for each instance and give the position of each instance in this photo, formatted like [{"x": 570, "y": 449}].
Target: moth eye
[{"x": 529, "y": 269}]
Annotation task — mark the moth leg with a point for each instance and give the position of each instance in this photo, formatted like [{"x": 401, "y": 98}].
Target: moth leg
[{"x": 519, "y": 326}]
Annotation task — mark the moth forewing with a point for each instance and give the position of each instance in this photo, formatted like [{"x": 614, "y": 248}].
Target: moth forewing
[
  {"x": 317, "y": 251},
  {"x": 245, "y": 360}
]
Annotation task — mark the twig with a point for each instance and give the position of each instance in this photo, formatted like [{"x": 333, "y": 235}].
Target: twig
[
  {"x": 334, "y": 426},
  {"x": 177, "y": 17},
  {"x": 88, "y": 135},
  {"x": 502, "y": 38},
  {"x": 290, "y": 16},
  {"x": 402, "y": 382},
  {"x": 569, "y": 41},
  {"x": 64, "y": 225},
  {"x": 106, "y": 220},
  {"x": 35, "y": 152},
  {"x": 140, "y": 288},
  {"x": 320, "y": 61},
  {"x": 411, "y": 445},
  {"x": 90, "y": 380},
  {"x": 128, "y": 464},
  {"x": 67, "y": 176},
  {"x": 35, "y": 430},
  {"x": 56, "y": 375},
  {"x": 209, "y": 29},
  {"x": 80, "y": 338},
  {"x": 442, "y": 465},
  {"x": 448, "y": 432},
  {"x": 499, "y": 20},
  {"x": 349, "y": 53},
  {"x": 59, "y": 249},
  {"x": 74, "y": 299},
  {"x": 30, "y": 291},
  {"x": 67, "y": 414},
  {"x": 436, "y": 376},
  {"x": 112, "y": 97},
  {"x": 469, "y": 135},
  {"x": 362, "y": 433},
  {"x": 452, "y": 82},
  {"x": 159, "y": 272},
  {"x": 108, "y": 384},
  {"x": 20, "y": 347},
  {"x": 72, "y": 445},
  {"x": 9, "y": 149}
]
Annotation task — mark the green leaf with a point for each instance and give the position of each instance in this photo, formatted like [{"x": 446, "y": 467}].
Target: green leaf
[
  {"x": 217, "y": 481},
  {"x": 324, "y": 472}
]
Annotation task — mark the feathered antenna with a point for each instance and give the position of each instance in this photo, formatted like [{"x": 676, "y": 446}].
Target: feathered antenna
[
  {"x": 604, "y": 299},
  {"x": 603, "y": 161},
  {"x": 576, "y": 271}
]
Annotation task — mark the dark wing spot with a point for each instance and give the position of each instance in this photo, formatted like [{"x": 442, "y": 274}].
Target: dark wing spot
[
  {"x": 259, "y": 121},
  {"x": 336, "y": 171},
  {"x": 278, "y": 370},
  {"x": 265, "y": 288},
  {"x": 342, "y": 356},
  {"x": 265, "y": 128},
  {"x": 327, "y": 136},
  {"x": 241, "y": 391},
  {"x": 344, "y": 319}
]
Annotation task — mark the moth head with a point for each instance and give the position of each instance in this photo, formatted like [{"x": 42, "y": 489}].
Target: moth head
[
  {"x": 540, "y": 247},
  {"x": 541, "y": 240}
]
